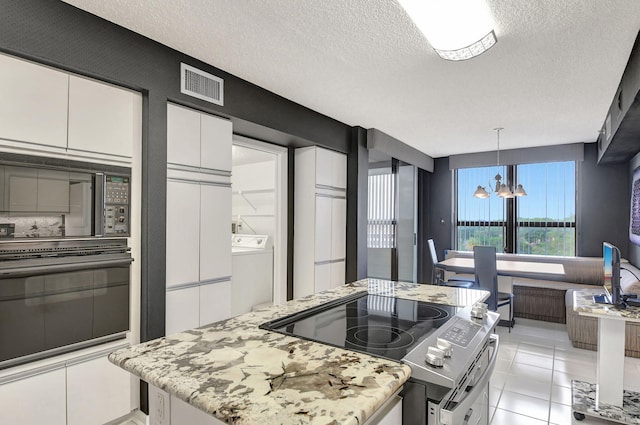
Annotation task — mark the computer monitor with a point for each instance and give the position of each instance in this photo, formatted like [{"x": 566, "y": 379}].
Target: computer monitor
[{"x": 611, "y": 267}]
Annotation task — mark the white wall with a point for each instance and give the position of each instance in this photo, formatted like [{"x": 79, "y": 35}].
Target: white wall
[{"x": 255, "y": 182}]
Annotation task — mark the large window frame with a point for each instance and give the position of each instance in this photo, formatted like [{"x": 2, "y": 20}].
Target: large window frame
[{"x": 510, "y": 222}]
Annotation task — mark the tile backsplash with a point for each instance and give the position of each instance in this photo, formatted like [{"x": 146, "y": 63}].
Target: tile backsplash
[{"x": 36, "y": 226}]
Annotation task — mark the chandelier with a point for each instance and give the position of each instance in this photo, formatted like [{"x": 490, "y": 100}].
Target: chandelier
[{"x": 503, "y": 190}]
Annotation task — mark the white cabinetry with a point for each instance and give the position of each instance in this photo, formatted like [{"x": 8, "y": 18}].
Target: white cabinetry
[
  {"x": 39, "y": 399},
  {"x": 198, "y": 219},
  {"x": 97, "y": 392},
  {"x": 103, "y": 118},
  {"x": 34, "y": 103},
  {"x": 80, "y": 390},
  {"x": 45, "y": 109},
  {"x": 320, "y": 220}
]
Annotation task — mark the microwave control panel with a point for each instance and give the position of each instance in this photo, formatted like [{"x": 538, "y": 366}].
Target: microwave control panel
[{"x": 117, "y": 198}]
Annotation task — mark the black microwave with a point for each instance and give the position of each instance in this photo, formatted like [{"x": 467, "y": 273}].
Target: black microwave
[{"x": 52, "y": 198}]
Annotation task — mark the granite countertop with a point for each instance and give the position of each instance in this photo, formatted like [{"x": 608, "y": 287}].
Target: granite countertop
[
  {"x": 245, "y": 375},
  {"x": 583, "y": 303}
]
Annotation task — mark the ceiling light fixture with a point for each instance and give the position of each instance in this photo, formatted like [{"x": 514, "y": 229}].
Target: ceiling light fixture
[
  {"x": 503, "y": 190},
  {"x": 456, "y": 29}
]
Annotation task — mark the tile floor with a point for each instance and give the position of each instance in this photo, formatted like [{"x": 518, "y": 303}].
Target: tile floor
[{"x": 531, "y": 383}]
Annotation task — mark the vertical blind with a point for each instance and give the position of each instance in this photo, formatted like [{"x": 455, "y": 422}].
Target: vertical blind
[{"x": 381, "y": 210}]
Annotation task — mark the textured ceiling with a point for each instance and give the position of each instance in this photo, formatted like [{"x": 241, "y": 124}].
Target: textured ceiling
[{"x": 549, "y": 80}]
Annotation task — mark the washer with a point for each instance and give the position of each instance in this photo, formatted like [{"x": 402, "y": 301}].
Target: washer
[{"x": 252, "y": 272}]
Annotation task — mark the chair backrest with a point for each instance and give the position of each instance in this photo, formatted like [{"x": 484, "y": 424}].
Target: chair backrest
[
  {"x": 434, "y": 261},
  {"x": 432, "y": 251},
  {"x": 484, "y": 259}
]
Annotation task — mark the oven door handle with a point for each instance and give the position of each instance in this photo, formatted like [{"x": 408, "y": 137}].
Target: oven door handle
[
  {"x": 66, "y": 267},
  {"x": 460, "y": 414}
]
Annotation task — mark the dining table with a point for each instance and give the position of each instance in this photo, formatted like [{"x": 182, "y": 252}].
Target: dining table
[{"x": 507, "y": 270}]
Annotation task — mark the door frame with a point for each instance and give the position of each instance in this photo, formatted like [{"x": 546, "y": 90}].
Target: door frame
[{"x": 281, "y": 211}]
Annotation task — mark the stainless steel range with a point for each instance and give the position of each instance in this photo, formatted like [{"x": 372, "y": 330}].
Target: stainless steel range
[{"x": 451, "y": 350}]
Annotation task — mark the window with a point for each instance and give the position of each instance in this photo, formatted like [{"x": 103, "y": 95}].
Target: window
[
  {"x": 544, "y": 222},
  {"x": 381, "y": 232}
]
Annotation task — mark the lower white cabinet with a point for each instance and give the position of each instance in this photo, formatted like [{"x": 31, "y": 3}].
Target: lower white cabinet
[
  {"x": 198, "y": 305},
  {"x": 86, "y": 392},
  {"x": 39, "y": 399},
  {"x": 337, "y": 273},
  {"x": 215, "y": 302},
  {"x": 97, "y": 392},
  {"x": 182, "y": 309},
  {"x": 323, "y": 277}
]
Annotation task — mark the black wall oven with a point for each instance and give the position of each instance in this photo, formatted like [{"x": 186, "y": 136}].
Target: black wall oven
[{"x": 57, "y": 296}]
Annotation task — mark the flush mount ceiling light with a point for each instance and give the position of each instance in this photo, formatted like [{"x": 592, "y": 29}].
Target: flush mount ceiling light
[
  {"x": 456, "y": 29},
  {"x": 503, "y": 190}
]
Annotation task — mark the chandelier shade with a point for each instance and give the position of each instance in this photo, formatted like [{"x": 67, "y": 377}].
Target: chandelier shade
[{"x": 502, "y": 189}]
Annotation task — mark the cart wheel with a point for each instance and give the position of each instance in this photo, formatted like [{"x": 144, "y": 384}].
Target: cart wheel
[{"x": 579, "y": 416}]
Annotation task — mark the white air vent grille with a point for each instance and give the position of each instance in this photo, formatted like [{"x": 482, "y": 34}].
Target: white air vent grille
[{"x": 202, "y": 85}]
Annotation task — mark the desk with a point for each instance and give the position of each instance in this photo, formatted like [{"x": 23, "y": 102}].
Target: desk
[
  {"x": 507, "y": 270},
  {"x": 606, "y": 398}
]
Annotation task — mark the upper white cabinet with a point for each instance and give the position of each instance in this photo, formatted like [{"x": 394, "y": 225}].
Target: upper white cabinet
[
  {"x": 34, "y": 103},
  {"x": 197, "y": 139},
  {"x": 331, "y": 169},
  {"x": 215, "y": 143},
  {"x": 320, "y": 220},
  {"x": 46, "y": 108},
  {"x": 183, "y": 136},
  {"x": 103, "y": 118}
]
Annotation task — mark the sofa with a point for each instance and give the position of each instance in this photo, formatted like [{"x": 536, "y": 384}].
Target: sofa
[{"x": 583, "y": 330}]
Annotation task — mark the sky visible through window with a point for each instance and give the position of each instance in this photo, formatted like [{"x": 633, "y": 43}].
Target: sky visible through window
[{"x": 550, "y": 192}]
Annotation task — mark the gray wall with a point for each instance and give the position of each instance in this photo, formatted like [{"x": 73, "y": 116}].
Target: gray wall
[
  {"x": 634, "y": 250},
  {"x": 603, "y": 205}
]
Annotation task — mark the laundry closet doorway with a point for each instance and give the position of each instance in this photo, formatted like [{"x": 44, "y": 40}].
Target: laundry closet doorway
[{"x": 259, "y": 224}]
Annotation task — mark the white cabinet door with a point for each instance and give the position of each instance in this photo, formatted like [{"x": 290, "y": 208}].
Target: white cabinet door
[
  {"x": 183, "y": 136},
  {"x": 215, "y": 143},
  {"x": 323, "y": 228},
  {"x": 324, "y": 167},
  {"x": 53, "y": 191},
  {"x": 97, "y": 392},
  {"x": 39, "y": 399},
  {"x": 338, "y": 228},
  {"x": 183, "y": 232},
  {"x": 215, "y": 232},
  {"x": 215, "y": 302},
  {"x": 183, "y": 310},
  {"x": 34, "y": 103},
  {"x": 103, "y": 118},
  {"x": 339, "y": 170},
  {"x": 22, "y": 186},
  {"x": 337, "y": 274},
  {"x": 323, "y": 277}
]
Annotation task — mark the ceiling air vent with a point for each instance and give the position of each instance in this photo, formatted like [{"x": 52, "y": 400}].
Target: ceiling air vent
[{"x": 202, "y": 85}]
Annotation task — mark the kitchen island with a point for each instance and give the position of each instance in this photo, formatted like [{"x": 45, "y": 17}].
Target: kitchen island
[{"x": 239, "y": 373}]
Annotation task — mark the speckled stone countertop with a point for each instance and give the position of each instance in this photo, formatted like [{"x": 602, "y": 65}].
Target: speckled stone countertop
[
  {"x": 245, "y": 375},
  {"x": 583, "y": 303}
]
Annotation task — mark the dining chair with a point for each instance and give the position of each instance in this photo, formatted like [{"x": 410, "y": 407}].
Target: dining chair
[
  {"x": 437, "y": 275},
  {"x": 486, "y": 273}
]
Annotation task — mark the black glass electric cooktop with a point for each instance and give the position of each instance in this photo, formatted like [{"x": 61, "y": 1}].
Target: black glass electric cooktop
[{"x": 380, "y": 325}]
